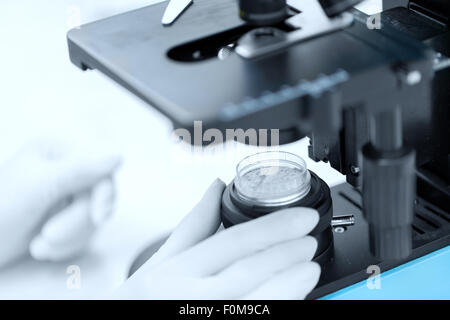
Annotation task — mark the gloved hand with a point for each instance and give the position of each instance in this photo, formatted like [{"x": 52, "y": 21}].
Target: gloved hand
[
  {"x": 268, "y": 258},
  {"x": 52, "y": 200}
]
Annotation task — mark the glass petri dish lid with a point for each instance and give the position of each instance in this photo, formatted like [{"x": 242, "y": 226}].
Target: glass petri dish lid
[{"x": 272, "y": 179}]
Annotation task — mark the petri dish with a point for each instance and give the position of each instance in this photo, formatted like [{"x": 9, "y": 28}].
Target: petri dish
[{"x": 272, "y": 179}]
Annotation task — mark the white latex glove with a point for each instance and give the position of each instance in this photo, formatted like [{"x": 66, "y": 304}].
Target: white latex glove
[
  {"x": 268, "y": 258},
  {"x": 52, "y": 200}
]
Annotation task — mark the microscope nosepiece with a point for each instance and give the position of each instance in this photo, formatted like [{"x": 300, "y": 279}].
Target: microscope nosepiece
[{"x": 263, "y": 12}]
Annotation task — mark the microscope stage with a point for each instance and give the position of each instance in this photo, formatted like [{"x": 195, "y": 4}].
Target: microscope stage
[{"x": 176, "y": 69}]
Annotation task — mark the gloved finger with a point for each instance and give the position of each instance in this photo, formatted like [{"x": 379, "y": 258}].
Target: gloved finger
[
  {"x": 292, "y": 284},
  {"x": 251, "y": 272},
  {"x": 77, "y": 174},
  {"x": 246, "y": 239},
  {"x": 199, "y": 224},
  {"x": 65, "y": 234},
  {"x": 103, "y": 197}
]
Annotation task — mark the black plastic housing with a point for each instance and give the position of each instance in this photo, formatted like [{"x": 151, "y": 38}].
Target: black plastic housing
[
  {"x": 236, "y": 211},
  {"x": 334, "y": 7},
  {"x": 263, "y": 12},
  {"x": 389, "y": 192}
]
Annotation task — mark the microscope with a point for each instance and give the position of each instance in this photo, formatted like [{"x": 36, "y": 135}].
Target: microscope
[{"x": 373, "y": 98}]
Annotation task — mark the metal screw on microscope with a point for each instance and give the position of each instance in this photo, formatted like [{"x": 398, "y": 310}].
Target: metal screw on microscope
[
  {"x": 340, "y": 223},
  {"x": 413, "y": 77},
  {"x": 355, "y": 170},
  {"x": 343, "y": 221},
  {"x": 226, "y": 52},
  {"x": 340, "y": 229}
]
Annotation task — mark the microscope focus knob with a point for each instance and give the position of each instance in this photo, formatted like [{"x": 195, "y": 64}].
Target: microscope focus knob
[{"x": 388, "y": 198}]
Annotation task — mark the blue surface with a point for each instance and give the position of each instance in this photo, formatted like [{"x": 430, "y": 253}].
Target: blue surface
[{"x": 425, "y": 278}]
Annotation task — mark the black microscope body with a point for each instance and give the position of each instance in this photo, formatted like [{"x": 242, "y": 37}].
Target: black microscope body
[{"x": 374, "y": 101}]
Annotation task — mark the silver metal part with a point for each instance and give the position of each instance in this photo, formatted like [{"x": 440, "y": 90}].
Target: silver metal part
[
  {"x": 226, "y": 52},
  {"x": 355, "y": 170},
  {"x": 340, "y": 229},
  {"x": 413, "y": 77},
  {"x": 174, "y": 9},
  {"x": 343, "y": 221},
  {"x": 441, "y": 62},
  {"x": 310, "y": 22}
]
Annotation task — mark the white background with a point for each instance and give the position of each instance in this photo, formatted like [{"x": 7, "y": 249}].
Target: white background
[{"x": 44, "y": 95}]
